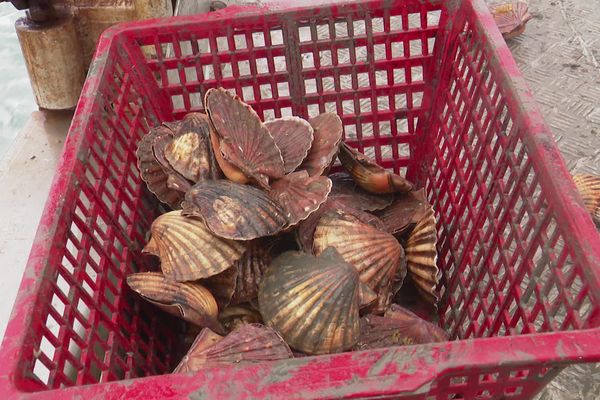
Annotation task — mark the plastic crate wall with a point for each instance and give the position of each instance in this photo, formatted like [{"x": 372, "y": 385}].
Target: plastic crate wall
[{"x": 446, "y": 118}]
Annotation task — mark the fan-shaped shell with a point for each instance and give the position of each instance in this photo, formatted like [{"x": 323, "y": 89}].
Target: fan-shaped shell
[
  {"x": 189, "y": 152},
  {"x": 245, "y": 140},
  {"x": 421, "y": 257},
  {"x": 327, "y": 132},
  {"x": 300, "y": 194},
  {"x": 251, "y": 343},
  {"x": 222, "y": 285},
  {"x": 153, "y": 173},
  {"x": 511, "y": 18},
  {"x": 234, "y": 317},
  {"x": 344, "y": 189},
  {"x": 294, "y": 137},
  {"x": 306, "y": 229},
  {"x": 374, "y": 253},
  {"x": 234, "y": 211},
  {"x": 400, "y": 328},
  {"x": 370, "y": 176},
  {"x": 406, "y": 209},
  {"x": 251, "y": 268},
  {"x": 188, "y": 300},
  {"x": 312, "y": 301},
  {"x": 188, "y": 250},
  {"x": 589, "y": 188}
]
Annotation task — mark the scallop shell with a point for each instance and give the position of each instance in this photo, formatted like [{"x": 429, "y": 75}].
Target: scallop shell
[
  {"x": 344, "y": 189},
  {"x": 153, "y": 173},
  {"x": 589, "y": 189},
  {"x": 244, "y": 140},
  {"x": 234, "y": 317},
  {"x": 374, "y": 253},
  {"x": 189, "y": 152},
  {"x": 188, "y": 250},
  {"x": 188, "y": 300},
  {"x": 511, "y": 18},
  {"x": 403, "y": 328},
  {"x": 293, "y": 136},
  {"x": 234, "y": 211},
  {"x": 300, "y": 194},
  {"x": 407, "y": 209},
  {"x": 251, "y": 268},
  {"x": 312, "y": 301},
  {"x": 421, "y": 257},
  {"x": 251, "y": 343},
  {"x": 327, "y": 132},
  {"x": 306, "y": 229},
  {"x": 370, "y": 176},
  {"x": 222, "y": 285}
]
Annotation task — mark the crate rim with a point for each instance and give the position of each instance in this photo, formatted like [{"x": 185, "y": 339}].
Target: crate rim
[{"x": 552, "y": 349}]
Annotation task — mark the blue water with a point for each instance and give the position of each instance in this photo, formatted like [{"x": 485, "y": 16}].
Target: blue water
[{"x": 16, "y": 97}]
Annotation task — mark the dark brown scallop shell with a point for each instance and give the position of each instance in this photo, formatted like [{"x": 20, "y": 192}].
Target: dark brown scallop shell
[
  {"x": 421, "y": 258},
  {"x": 346, "y": 190},
  {"x": 312, "y": 302},
  {"x": 234, "y": 211},
  {"x": 153, "y": 173},
  {"x": 399, "y": 329},
  {"x": 244, "y": 140},
  {"x": 294, "y": 137},
  {"x": 407, "y": 209},
  {"x": 370, "y": 176},
  {"x": 252, "y": 343},
  {"x": 188, "y": 250},
  {"x": 300, "y": 194},
  {"x": 187, "y": 300},
  {"x": 327, "y": 132},
  {"x": 251, "y": 268}
]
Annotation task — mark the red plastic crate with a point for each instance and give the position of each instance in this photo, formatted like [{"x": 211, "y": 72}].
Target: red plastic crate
[{"x": 518, "y": 251}]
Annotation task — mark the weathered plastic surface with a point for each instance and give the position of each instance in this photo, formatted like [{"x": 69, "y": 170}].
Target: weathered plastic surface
[{"x": 518, "y": 251}]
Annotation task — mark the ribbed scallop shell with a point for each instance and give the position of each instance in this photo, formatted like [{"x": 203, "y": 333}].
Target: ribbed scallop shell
[
  {"x": 344, "y": 189},
  {"x": 188, "y": 250},
  {"x": 589, "y": 189},
  {"x": 294, "y": 137},
  {"x": 398, "y": 329},
  {"x": 406, "y": 209},
  {"x": 374, "y": 253},
  {"x": 245, "y": 140},
  {"x": 421, "y": 257},
  {"x": 312, "y": 301},
  {"x": 251, "y": 268},
  {"x": 222, "y": 285},
  {"x": 511, "y": 17},
  {"x": 327, "y": 132},
  {"x": 153, "y": 173},
  {"x": 234, "y": 211},
  {"x": 370, "y": 176},
  {"x": 188, "y": 300},
  {"x": 251, "y": 343},
  {"x": 234, "y": 317},
  {"x": 306, "y": 229},
  {"x": 189, "y": 152},
  {"x": 300, "y": 194}
]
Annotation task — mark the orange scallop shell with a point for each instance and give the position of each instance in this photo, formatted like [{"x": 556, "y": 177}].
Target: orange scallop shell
[{"x": 589, "y": 189}]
